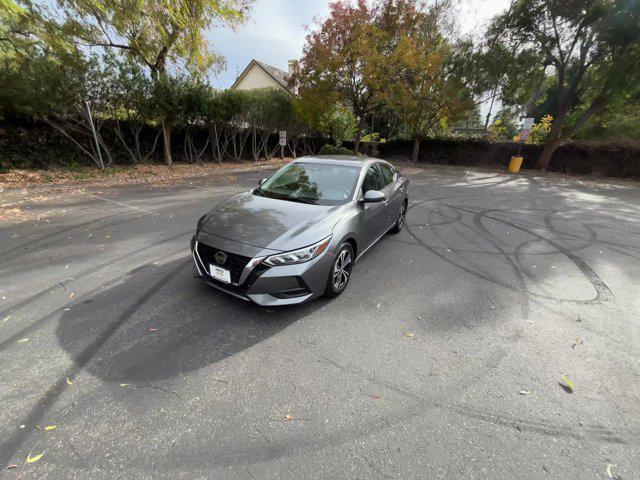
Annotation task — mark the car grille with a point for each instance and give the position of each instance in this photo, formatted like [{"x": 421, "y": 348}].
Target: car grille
[{"x": 234, "y": 263}]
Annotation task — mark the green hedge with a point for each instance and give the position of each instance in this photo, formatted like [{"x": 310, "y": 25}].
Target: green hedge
[{"x": 611, "y": 159}]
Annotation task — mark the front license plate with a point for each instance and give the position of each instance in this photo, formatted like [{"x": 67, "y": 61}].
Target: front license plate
[{"x": 219, "y": 273}]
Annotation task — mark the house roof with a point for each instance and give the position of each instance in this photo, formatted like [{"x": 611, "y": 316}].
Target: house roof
[{"x": 280, "y": 76}]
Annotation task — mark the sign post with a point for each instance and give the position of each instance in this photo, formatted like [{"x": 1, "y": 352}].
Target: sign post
[
  {"x": 527, "y": 124},
  {"x": 282, "y": 142}
]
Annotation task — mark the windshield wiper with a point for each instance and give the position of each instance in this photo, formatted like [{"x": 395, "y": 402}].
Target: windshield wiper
[
  {"x": 307, "y": 200},
  {"x": 280, "y": 196}
]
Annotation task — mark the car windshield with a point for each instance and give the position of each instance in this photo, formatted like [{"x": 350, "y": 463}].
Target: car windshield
[{"x": 315, "y": 183}]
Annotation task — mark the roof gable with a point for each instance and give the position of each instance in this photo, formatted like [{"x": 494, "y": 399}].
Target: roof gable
[{"x": 280, "y": 76}]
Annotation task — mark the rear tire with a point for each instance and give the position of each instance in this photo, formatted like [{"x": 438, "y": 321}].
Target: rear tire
[
  {"x": 401, "y": 219},
  {"x": 340, "y": 271}
]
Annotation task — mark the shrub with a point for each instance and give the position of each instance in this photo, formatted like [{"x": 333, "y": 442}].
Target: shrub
[{"x": 328, "y": 149}]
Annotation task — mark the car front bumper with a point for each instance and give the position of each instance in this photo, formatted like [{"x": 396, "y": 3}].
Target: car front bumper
[{"x": 263, "y": 285}]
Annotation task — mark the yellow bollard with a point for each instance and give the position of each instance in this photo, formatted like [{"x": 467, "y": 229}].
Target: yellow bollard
[{"x": 515, "y": 164}]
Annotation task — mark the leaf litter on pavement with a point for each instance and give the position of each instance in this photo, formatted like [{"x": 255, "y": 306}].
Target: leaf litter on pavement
[{"x": 566, "y": 384}]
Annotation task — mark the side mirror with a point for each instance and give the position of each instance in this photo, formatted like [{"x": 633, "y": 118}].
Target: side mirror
[
  {"x": 262, "y": 180},
  {"x": 374, "y": 196}
]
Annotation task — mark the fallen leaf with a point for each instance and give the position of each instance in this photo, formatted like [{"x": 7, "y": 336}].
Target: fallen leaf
[
  {"x": 69, "y": 382},
  {"x": 493, "y": 307},
  {"x": 23, "y": 340},
  {"x": 50, "y": 427},
  {"x": 378, "y": 306},
  {"x": 577, "y": 341},
  {"x": 71, "y": 295},
  {"x": 566, "y": 384},
  {"x": 524, "y": 392},
  {"x": 153, "y": 329},
  {"x": 124, "y": 384},
  {"x": 409, "y": 334},
  {"x": 376, "y": 397},
  {"x": 611, "y": 472},
  {"x": 11, "y": 467},
  {"x": 288, "y": 417},
  {"x": 31, "y": 459}
]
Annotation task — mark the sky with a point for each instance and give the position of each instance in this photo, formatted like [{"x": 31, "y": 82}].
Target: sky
[{"x": 276, "y": 30}]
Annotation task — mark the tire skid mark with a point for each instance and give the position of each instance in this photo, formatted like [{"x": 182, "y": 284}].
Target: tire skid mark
[
  {"x": 38, "y": 323},
  {"x": 128, "y": 218},
  {"x": 502, "y": 253},
  {"x": 58, "y": 232},
  {"x": 424, "y": 401},
  {"x": 603, "y": 292},
  {"x": 10, "y": 446}
]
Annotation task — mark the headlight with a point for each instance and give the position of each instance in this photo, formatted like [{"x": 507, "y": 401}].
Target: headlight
[{"x": 298, "y": 256}]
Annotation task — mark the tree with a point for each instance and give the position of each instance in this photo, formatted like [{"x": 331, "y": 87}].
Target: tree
[
  {"x": 193, "y": 114},
  {"x": 505, "y": 125},
  {"x": 65, "y": 90},
  {"x": 130, "y": 102},
  {"x": 323, "y": 113},
  {"x": 620, "y": 120},
  {"x": 267, "y": 111},
  {"x": 344, "y": 55},
  {"x": 154, "y": 33},
  {"x": 591, "y": 47},
  {"x": 167, "y": 101},
  {"x": 223, "y": 109},
  {"x": 339, "y": 123},
  {"x": 427, "y": 93}
]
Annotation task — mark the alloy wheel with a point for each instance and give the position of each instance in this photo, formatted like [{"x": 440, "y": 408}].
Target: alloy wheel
[
  {"x": 403, "y": 213},
  {"x": 342, "y": 270}
]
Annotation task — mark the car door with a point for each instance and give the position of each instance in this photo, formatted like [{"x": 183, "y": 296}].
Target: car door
[
  {"x": 393, "y": 192},
  {"x": 375, "y": 216}
]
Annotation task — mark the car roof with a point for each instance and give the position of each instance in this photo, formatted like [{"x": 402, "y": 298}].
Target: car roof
[{"x": 350, "y": 160}]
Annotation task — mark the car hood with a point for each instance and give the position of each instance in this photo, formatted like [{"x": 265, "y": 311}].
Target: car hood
[{"x": 271, "y": 223}]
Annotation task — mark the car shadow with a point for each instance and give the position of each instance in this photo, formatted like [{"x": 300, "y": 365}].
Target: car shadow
[{"x": 161, "y": 322}]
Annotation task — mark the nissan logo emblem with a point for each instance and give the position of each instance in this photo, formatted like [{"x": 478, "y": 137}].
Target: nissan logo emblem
[{"x": 220, "y": 257}]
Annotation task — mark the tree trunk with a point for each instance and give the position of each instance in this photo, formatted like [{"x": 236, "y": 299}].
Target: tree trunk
[
  {"x": 166, "y": 130},
  {"x": 545, "y": 157},
  {"x": 356, "y": 144},
  {"x": 488, "y": 117},
  {"x": 106, "y": 150},
  {"x": 416, "y": 150}
]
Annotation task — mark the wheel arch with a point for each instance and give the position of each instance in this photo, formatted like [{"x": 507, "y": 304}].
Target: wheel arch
[{"x": 350, "y": 239}]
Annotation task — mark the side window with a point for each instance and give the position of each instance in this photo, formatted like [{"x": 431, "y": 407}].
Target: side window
[
  {"x": 372, "y": 179},
  {"x": 388, "y": 173}
]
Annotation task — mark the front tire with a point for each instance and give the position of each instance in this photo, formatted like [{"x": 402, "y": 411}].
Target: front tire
[
  {"x": 340, "y": 271},
  {"x": 401, "y": 219}
]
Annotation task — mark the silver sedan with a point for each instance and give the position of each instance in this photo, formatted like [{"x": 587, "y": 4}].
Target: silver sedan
[{"x": 298, "y": 235}]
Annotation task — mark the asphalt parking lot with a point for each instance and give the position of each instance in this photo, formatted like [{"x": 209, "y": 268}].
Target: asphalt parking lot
[{"x": 441, "y": 360}]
